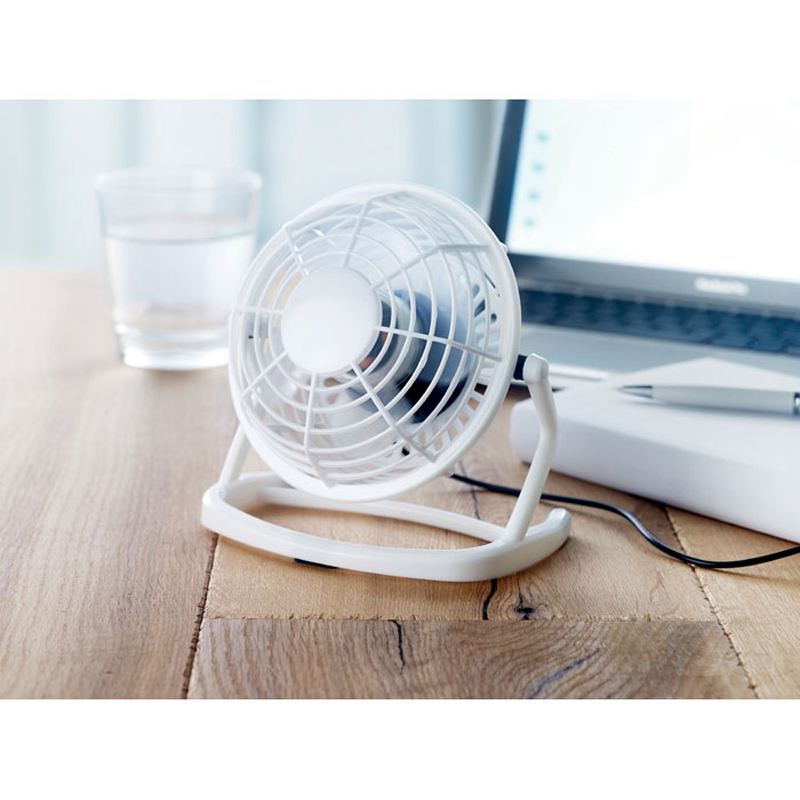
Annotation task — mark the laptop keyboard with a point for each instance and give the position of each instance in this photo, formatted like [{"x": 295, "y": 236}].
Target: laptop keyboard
[{"x": 672, "y": 322}]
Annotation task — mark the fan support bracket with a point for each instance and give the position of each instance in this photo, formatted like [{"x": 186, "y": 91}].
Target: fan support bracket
[{"x": 508, "y": 549}]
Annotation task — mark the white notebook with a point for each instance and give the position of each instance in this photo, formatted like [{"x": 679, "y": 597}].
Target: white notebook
[{"x": 740, "y": 467}]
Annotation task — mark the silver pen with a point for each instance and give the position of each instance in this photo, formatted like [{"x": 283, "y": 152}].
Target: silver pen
[{"x": 778, "y": 401}]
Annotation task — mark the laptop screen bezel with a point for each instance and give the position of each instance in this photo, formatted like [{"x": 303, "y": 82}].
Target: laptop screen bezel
[{"x": 618, "y": 280}]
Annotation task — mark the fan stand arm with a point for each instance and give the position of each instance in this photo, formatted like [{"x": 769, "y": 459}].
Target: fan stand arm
[
  {"x": 508, "y": 549},
  {"x": 535, "y": 373}
]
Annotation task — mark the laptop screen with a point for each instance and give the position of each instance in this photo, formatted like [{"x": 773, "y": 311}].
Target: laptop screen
[{"x": 685, "y": 198}]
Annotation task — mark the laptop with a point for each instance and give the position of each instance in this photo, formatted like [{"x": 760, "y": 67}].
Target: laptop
[{"x": 644, "y": 233}]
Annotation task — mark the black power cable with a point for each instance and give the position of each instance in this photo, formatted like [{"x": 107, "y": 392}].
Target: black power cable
[{"x": 636, "y": 522}]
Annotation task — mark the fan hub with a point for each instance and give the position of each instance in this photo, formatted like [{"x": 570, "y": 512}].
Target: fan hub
[{"x": 330, "y": 321}]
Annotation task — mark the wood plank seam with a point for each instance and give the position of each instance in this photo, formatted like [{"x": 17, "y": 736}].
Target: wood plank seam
[
  {"x": 527, "y": 616},
  {"x": 476, "y": 511},
  {"x": 715, "y": 610},
  {"x": 473, "y": 493},
  {"x": 201, "y": 612}
]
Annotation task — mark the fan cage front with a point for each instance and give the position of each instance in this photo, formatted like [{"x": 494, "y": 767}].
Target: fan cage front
[{"x": 445, "y": 346}]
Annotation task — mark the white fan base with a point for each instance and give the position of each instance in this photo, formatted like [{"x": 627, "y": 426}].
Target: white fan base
[{"x": 508, "y": 549}]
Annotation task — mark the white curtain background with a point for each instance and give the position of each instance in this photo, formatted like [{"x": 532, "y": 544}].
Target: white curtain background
[{"x": 50, "y": 152}]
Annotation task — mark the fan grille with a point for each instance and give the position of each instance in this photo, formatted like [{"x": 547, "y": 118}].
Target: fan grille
[{"x": 440, "y": 364}]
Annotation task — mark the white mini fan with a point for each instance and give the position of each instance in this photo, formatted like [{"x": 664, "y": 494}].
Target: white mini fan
[{"x": 373, "y": 339}]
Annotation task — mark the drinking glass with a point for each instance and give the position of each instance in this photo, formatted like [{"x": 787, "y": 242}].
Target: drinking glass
[{"x": 177, "y": 242}]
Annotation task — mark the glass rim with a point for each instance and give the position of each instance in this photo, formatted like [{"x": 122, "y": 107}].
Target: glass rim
[{"x": 177, "y": 180}]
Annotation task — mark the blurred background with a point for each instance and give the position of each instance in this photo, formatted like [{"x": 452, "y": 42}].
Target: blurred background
[{"x": 52, "y": 150}]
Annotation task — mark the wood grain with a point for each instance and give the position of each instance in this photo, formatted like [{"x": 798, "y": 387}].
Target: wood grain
[
  {"x": 106, "y": 572},
  {"x": 758, "y": 607},
  {"x": 495, "y": 659},
  {"x": 103, "y": 559},
  {"x": 605, "y": 571}
]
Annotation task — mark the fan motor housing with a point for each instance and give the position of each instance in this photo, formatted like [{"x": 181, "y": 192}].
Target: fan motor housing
[{"x": 330, "y": 321}]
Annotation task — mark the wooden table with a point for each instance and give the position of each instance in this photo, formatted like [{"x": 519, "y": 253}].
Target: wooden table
[{"x": 110, "y": 587}]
